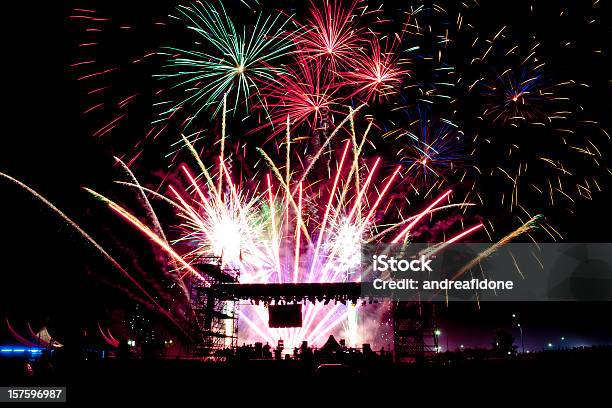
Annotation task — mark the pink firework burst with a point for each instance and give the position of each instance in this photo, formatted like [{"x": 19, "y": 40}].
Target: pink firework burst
[
  {"x": 304, "y": 94},
  {"x": 376, "y": 74},
  {"x": 331, "y": 33}
]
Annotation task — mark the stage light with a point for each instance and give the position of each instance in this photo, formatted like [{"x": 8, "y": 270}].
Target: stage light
[{"x": 20, "y": 350}]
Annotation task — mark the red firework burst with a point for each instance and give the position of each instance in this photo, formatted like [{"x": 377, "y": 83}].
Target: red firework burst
[
  {"x": 305, "y": 94},
  {"x": 375, "y": 74},
  {"x": 332, "y": 34}
]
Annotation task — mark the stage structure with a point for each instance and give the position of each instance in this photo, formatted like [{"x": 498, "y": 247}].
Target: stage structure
[
  {"x": 286, "y": 293},
  {"x": 214, "y": 320},
  {"x": 414, "y": 323},
  {"x": 415, "y": 331}
]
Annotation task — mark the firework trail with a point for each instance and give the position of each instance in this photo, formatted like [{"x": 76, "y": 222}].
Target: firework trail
[
  {"x": 526, "y": 227},
  {"x": 95, "y": 244}
]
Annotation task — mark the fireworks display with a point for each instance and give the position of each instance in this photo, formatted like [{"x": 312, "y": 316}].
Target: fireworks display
[{"x": 282, "y": 142}]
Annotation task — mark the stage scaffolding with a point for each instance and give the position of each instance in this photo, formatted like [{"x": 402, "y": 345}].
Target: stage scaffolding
[
  {"x": 214, "y": 320},
  {"x": 415, "y": 332}
]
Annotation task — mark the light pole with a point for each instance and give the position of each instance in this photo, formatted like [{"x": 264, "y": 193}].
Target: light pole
[
  {"x": 516, "y": 322},
  {"x": 437, "y": 333}
]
